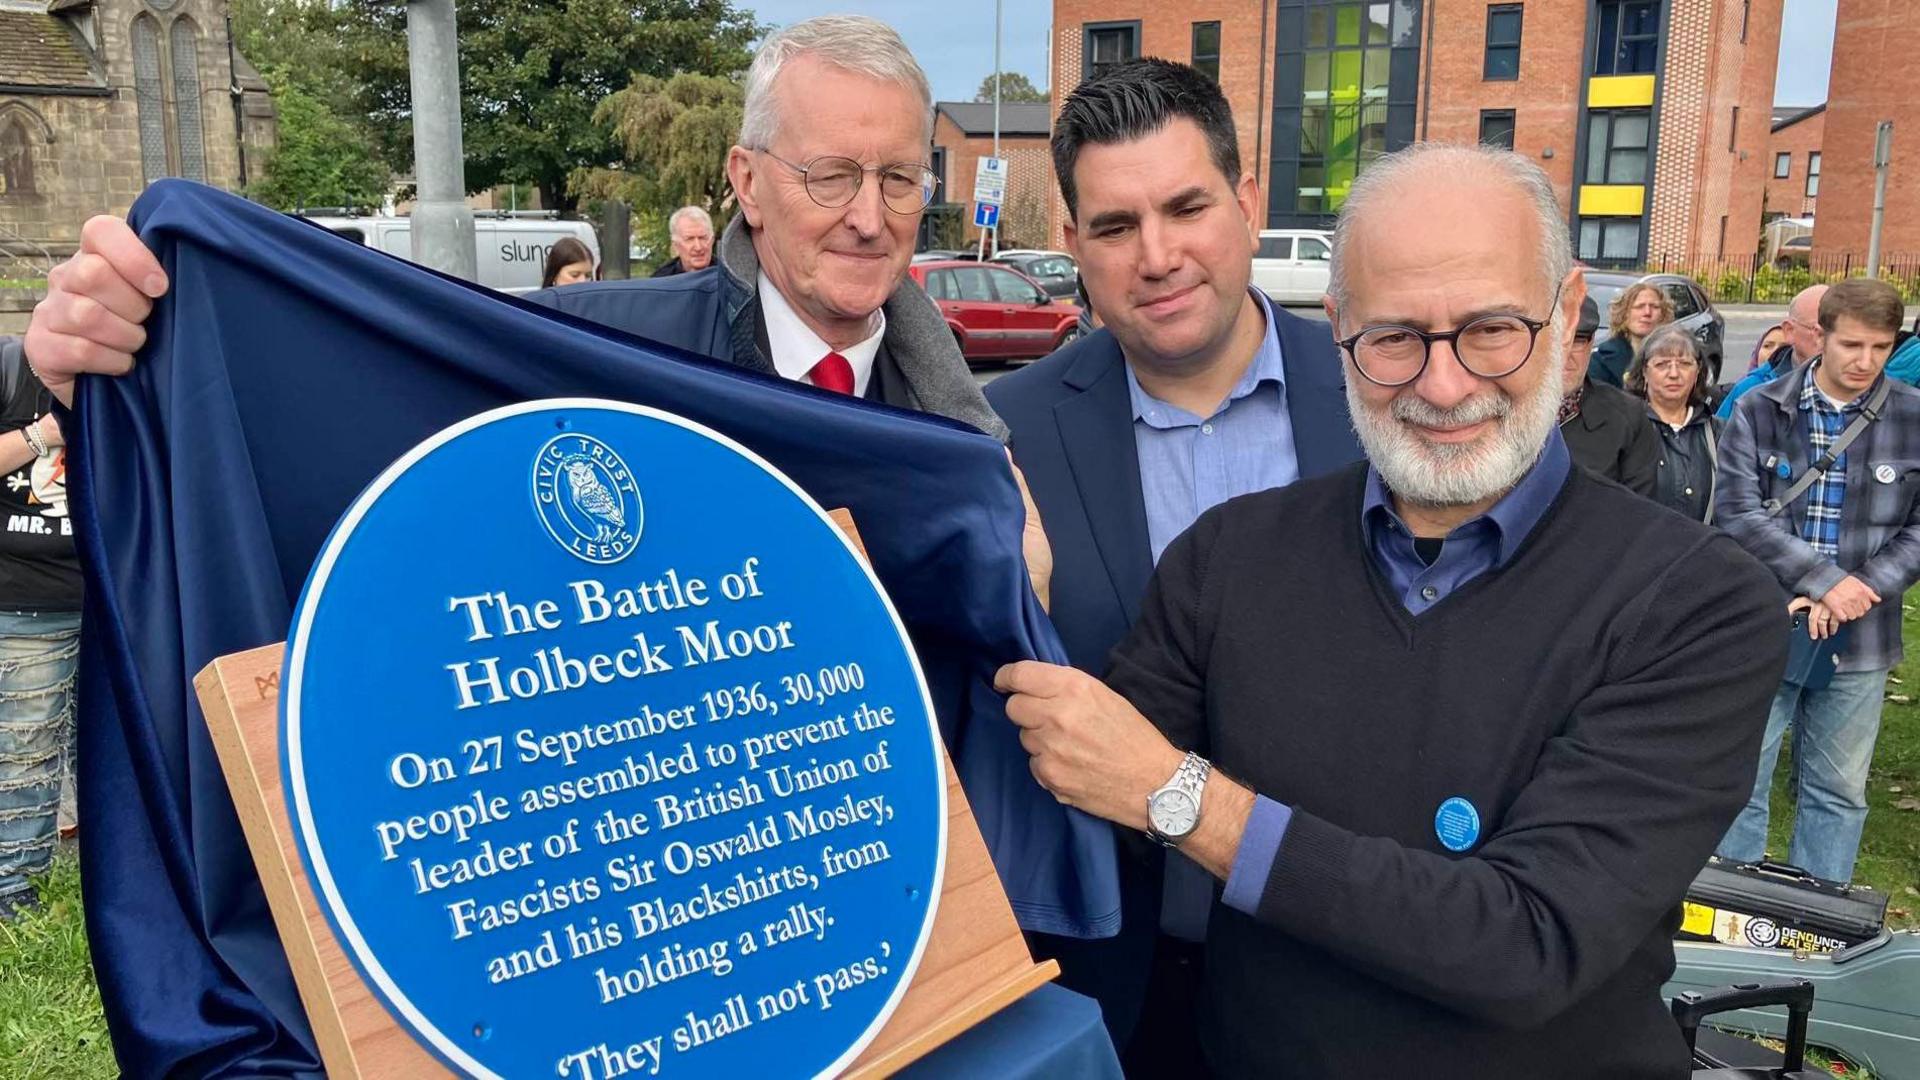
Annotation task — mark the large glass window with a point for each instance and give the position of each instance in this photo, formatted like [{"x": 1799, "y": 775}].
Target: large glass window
[
  {"x": 1628, "y": 42},
  {"x": 1108, "y": 44},
  {"x": 1610, "y": 241},
  {"x": 1496, "y": 128},
  {"x": 1346, "y": 81},
  {"x": 1206, "y": 49},
  {"x": 1503, "y": 42},
  {"x": 1617, "y": 146},
  {"x": 1343, "y": 101},
  {"x": 1813, "y": 174}
]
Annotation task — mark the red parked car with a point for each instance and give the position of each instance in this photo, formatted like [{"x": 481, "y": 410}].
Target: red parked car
[{"x": 996, "y": 313}]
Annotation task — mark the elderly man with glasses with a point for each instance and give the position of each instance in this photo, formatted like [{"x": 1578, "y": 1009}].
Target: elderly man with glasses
[
  {"x": 810, "y": 278},
  {"x": 1802, "y": 327},
  {"x": 1453, "y": 728}
]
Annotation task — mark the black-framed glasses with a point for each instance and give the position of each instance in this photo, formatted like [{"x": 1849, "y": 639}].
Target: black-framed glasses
[
  {"x": 1492, "y": 347},
  {"x": 905, "y": 187}
]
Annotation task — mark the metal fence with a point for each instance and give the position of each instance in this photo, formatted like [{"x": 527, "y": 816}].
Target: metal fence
[{"x": 1749, "y": 279}]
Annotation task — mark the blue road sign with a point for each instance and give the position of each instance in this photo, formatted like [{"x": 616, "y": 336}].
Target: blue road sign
[{"x": 986, "y": 215}]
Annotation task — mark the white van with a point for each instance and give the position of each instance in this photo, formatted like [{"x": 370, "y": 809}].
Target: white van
[
  {"x": 510, "y": 251},
  {"x": 1292, "y": 265}
]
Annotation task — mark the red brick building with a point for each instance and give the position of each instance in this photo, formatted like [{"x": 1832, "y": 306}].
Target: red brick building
[
  {"x": 963, "y": 134},
  {"x": 1793, "y": 163},
  {"x": 1871, "y": 81},
  {"x": 1232, "y": 39},
  {"x": 1651, "y": 116}
]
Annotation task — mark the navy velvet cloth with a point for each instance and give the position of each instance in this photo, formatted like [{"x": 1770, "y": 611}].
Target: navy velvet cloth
[{"x": 284, "y": 370}]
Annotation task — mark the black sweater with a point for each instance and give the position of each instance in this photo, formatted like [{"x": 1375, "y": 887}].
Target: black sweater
[{"x": 1600, "y": 701}]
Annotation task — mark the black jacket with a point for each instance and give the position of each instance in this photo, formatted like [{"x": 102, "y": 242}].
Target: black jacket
[
  {"x": 669, "y": 268},
  {"x": 1612, "y": 438},
  {"x": 1686, "y": 463},
  {"x": 1609, "y": 362}
]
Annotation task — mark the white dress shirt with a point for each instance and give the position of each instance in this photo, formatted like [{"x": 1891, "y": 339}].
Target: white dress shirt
[{"x": 796, "y": 348}]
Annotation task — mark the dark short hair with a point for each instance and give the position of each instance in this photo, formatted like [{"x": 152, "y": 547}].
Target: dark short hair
[
  {"x": 1133, "y": 100},
  {"x": 564, "y": 253},
  {"x": 1875, "y": 304}
]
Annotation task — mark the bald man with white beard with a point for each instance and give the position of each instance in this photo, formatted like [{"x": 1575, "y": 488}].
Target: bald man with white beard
[{"x": 1453, "y": 729}]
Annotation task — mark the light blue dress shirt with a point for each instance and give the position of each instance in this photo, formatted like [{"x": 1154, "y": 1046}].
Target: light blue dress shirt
[{"x": 1190, "y": 464}]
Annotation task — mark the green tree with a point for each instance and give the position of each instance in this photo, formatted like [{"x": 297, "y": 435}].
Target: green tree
[
  {"x": 327, "y": 153},
  {"x": 1013, "y": 87},
  {"x": 320, "y": 159},
  {"x": 673, "y": 135},
  {"x": 532, "y": 73}
]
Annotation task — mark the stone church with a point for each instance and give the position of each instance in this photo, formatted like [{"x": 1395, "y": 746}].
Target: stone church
[{"x": 98, "y": 98}]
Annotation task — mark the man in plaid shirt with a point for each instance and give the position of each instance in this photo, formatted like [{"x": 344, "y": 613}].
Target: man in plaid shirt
[{"x": 1845, "y": 551}]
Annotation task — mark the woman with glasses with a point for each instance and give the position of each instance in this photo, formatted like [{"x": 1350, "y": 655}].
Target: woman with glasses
[
  {"x": 1633, "y": 315},
  {"x": 1671, "y": 375}
]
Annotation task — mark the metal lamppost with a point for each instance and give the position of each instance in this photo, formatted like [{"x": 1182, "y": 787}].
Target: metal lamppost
[{"x": 442, "y": 231}]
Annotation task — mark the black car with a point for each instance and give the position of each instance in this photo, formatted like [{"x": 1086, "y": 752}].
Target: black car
[
  {"x": 1054, "y": 271},
  {"x": 1691, "y": 309}
]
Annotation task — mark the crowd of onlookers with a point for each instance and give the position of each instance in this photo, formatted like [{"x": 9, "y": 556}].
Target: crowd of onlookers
[{"x": 1733, "y": 459}]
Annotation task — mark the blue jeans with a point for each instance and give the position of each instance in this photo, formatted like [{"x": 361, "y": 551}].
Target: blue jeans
[
  {"x": 1835, "y": 729},
  {"x": 38, "y": 654}
]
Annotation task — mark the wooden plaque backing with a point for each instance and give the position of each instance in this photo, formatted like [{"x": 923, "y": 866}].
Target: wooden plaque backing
[{"x": 975, "y": 962}]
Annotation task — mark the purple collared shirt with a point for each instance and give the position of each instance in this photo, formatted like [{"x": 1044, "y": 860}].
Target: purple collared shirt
[{"x": 1485, "y": 543}]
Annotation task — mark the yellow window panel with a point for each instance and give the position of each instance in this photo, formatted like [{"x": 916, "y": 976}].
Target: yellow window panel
[
  {"x": 1612, "y": 200},
  {"x": 1619, "y": 91}
]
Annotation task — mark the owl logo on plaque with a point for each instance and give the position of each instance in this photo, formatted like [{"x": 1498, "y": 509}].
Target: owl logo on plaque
[{"x": 586, "y": 497}]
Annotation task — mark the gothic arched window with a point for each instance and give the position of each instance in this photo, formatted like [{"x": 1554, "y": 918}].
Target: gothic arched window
[
  {"x": 185, "y": 44},
  {"x": 149, "y": 98},
  {"x": 16, "y": 159}
]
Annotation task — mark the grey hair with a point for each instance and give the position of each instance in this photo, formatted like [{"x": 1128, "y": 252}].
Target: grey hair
[
  {"x": 852, "y": 43},
  {"x": 1391, "y": 173},
  {"x": 685, "y": 212}
]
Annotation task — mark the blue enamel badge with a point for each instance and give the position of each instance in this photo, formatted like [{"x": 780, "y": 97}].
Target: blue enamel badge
[
  {"x": 1783, "y": 470},
  {"x": 1457, "y": 824}
]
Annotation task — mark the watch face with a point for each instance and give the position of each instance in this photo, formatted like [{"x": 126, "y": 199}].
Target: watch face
[{"x": 1173, "y": 812}]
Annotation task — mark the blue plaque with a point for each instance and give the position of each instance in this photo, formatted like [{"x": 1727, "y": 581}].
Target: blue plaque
[{"x": 608, "y": 756}]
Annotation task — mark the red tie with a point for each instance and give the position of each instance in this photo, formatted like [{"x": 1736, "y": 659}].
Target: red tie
[{"x": 833, "y": 373}]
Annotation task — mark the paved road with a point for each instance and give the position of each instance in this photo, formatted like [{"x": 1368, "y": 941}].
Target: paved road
[{"x": 1745, "y": 326}]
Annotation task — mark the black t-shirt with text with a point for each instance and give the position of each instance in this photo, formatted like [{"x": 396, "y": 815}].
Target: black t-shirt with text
[{"x": 38, "y": 568}]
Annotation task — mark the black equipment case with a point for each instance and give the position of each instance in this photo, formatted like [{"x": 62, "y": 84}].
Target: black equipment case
[{"x": 1771, "y": 906}]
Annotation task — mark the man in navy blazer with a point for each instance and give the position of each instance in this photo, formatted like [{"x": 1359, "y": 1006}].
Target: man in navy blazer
[{"x": 1196, "y": 389}]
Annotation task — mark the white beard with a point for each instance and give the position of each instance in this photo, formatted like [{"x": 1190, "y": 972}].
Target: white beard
[{"x": 1447, "y": 474}]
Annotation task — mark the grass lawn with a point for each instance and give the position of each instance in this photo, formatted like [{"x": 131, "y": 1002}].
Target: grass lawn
[
  {"x": 51, "y": 1027},
  {"x": 50, "y": 1022}
]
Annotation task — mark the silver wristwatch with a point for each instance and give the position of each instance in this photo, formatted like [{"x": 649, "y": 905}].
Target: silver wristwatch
[{"x": 1173, "y": 811}]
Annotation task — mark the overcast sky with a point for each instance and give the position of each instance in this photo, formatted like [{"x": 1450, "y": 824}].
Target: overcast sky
[
  {"x": 953, "y": 40},
  {"x": 1806, "y": 49}
]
